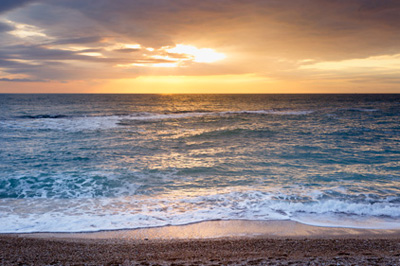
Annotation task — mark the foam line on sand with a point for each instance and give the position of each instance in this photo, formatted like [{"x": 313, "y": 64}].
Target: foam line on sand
[{"x": 231, "y": 228}]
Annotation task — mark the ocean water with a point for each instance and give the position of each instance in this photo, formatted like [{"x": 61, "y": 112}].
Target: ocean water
[{"x": 72, "y": 163}]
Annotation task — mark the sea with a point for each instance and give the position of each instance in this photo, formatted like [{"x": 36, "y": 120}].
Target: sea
[{"x": 87, "y": 162}]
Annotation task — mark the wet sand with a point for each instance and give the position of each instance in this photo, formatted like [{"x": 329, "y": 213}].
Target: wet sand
[{"x": 208, "y": 243}]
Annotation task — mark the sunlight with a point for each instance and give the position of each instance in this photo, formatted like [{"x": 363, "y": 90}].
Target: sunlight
[
  {"x": 25, "y": 31},
  {"x": 119, "y": 45},
  {"x": 203, "y": 55},
  {"x": 192, "y": 84},
  {"x": 178, "y": 56},
  {"x": 132, "y": 46},
  {"x": 91, "y": 54},
  {"x": 164, "y": 65},
  {"x": 373, "y": 62}
]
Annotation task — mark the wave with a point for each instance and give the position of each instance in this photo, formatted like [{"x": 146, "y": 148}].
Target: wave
[
  {"x": 272, "y": 112},
  {"x": 42, "y": 116},
  {"x": 360, "y": 109},
  {"x": 185, "y": 114},
  {"x": 82, "y": 123},
  {"x": 72, "y": 124},
  {"x": 66, "y": 186},
  {"x": 38, "y": 215},
  {"x": 230, "y": 132}
]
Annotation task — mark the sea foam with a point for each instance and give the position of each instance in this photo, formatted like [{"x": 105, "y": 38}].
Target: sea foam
[{"x": 94, "y": 214}]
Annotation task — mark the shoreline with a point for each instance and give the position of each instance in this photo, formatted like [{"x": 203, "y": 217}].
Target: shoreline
[
  {"x": 207, "y": 243},
  {"x": 223, "y": 229}
]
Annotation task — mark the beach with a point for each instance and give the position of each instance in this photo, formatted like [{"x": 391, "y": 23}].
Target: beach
[
  {"x": 199, "y": 179},
  {"x": 298, "y": 245}
]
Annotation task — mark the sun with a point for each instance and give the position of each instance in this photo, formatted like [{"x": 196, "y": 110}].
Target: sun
[
  {"x": 200, "y": 55},
  {"x": 180, "y": 55}
]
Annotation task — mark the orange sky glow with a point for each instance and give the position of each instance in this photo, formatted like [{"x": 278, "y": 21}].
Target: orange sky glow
[{"x": 230, "y": 46}]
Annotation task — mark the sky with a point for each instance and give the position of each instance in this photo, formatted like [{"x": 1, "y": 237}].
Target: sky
[{"x": 207, "y": 46}]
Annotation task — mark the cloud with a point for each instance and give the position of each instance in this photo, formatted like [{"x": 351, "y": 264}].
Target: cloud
[
  {"x": 5, "y": 27},
  {"x": 79, "y": 40},
  {"x": 6, "y": 5},
  {"x": 82, "y": 38},
  {"x": 127, "y": 50},
  {"x": 21, "y": 80},
  {"x": 322, "y": 29}
]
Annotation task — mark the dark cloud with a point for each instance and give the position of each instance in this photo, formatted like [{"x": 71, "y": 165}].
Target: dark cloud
[
  {"x": 379, "y": 5},
  {"x": 6, "y": 5},
  {"x": 127, "y": 50},
  {"x": 33, "y": 52},
  {"x": 79, "y": 40},
  {"x": 43, "y": 53},
  {"x": 21, "y": 80},
  {"x": 4, "y": 63},
  {"x": 5, "y": 27},
  {"x": 43, "y": 63}
]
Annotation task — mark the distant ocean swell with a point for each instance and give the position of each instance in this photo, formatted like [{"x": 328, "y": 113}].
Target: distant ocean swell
[
  {"x": 78, "y": 123},
  {"x": 60, "y": 122}
]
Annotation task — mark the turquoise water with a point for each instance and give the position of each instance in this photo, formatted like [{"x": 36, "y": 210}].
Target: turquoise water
[{"x": 93, "y": 162}]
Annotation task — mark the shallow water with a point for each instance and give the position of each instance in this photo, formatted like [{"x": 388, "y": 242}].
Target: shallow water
[{"x": 92, "y": 162}]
